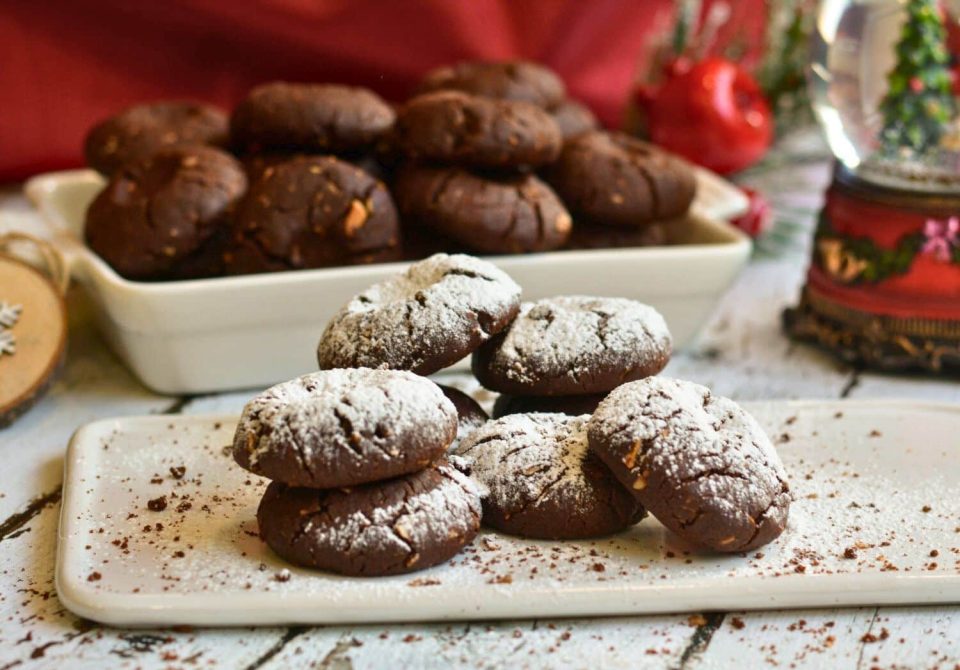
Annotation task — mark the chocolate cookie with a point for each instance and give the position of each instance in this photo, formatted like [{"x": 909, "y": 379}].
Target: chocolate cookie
[
  {"x": 470, "y": 414},
  {"x": 312, "y": 212},
  {"x": 487, "y": 213},
  {"x": 136, "y": 133},
  {"x": 386, "y": 528},
  {"x": 574, "y": 345},
  {"x": 312, "y": 118},
  {"x": 571, "y": 405},
  {"x": 702, "y": 466},
  {"x": 617, "y": 180},
  {"x": 586, "y": 236},
  {"x": 156, "y": 213},
  {"x": 257, "y": 164},
  {"x": 538, "y": 479},
  {"x": 457, "y": 128},
  {"x": 573, "y": 118},
  {"x": 423, "y": 320},
  {"x": 344, "y": 427},
  {"x": 512, "y": 80}
]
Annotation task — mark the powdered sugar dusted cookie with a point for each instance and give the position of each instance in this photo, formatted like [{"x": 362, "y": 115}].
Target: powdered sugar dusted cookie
[
  {"x": 431, "y": 316},
  {"x": 386, "y": 528},
  {"x": 699, "y": 463},
  {"x": 344, "y": 427},
  {"x": 575, "y": 345},
  {"x": 539, "y": 479}
]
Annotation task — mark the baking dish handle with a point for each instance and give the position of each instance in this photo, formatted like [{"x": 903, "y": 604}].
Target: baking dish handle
[{"x": 58, "y": 196}]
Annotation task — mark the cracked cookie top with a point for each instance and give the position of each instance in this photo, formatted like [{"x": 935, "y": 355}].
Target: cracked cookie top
[
  {"x": 485, "y": 212},
  {"x": 698, "y": 462},
  {"x": 344, "y": 427},
  {"x": 462, "y": 129},
  {"x": 312, "y": 212},
  {"x": 429, "y": 317},
  {"x": 387, "y": 528},
  {"x": 140, "y": 131},
  {"x": 609, "y": 178},
  {"x": 575, "y": 345},
  {"x": 157, "y": 213},
  {"x": 538, "y": 479}
]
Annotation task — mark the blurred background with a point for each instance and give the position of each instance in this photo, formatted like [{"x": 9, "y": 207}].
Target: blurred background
[{"x": 70, "y": 63}]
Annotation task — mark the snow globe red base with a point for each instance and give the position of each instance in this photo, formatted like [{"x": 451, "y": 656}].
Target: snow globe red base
[{"x": 883, "y": 288}]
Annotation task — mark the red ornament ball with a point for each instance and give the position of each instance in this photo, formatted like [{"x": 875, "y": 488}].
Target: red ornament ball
[{"x": 712, "y": 113}]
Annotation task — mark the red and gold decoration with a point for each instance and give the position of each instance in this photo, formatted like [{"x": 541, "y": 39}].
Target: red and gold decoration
[{"x": 883, "y": 288}]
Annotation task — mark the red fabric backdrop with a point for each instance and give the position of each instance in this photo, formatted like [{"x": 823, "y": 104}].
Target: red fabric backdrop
[{"x": 65, "y": 64}]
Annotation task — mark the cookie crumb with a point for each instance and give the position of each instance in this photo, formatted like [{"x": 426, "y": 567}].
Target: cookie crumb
[{"x": 157, "y": 504}]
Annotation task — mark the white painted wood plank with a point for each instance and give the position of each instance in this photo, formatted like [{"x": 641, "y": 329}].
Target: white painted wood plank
[
  {"x": 36, "y": 632},
  {"x": 799, "y": 639},
  {"x": 649, "y": 642}
]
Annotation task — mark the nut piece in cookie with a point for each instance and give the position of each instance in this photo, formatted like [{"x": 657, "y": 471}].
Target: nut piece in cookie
[
  {"x": 509, "y": 80},
  {"x": 344, "y": 427},
  {"x": 136, "y": 133},
  {"x": 539, "y": 479},
  {"x": 386, "y": 528},
  {"x": 429, "y": 317},
  {"x": 613, "y": 179},
  {"x": 461, "y": 129},
  {"x": 574, "y": 118},
  {"x": 488, "y": 213},
  {"x": 698, "y": 462},
  {"x": 312, "y": 212},
  {"x": 158, "y": 213},
  {"x": 317, "y": 118},
  {"x": 574, "y": 345}
]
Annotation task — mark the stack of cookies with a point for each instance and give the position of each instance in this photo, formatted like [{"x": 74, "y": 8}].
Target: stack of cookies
[
  {"x": 316, "y": 198},
  {"x": 301, "y": 188},
  {"x": 472, "y": 138},
  {"x": 378, "y": 471},
  {"x": 489, "y": 158},
  {"x": 360, "y": 483}
]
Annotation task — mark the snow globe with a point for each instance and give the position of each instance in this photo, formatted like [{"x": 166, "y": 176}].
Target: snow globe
[{"x": 883, "y": 287}]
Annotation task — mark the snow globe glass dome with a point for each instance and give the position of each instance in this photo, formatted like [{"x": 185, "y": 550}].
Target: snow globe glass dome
[
  {"x": 882, "y": 87},
  {"x": 883, "y": 286}
]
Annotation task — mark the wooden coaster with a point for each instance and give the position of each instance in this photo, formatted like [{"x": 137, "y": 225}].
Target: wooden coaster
[{"x": 33, "y": 336}]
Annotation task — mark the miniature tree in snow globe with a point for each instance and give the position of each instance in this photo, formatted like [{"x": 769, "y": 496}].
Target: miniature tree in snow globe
[{"x": 883, "y": 288}]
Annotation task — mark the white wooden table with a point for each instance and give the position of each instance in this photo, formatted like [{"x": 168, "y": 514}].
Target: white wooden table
[{"x": 742, "y": 353}]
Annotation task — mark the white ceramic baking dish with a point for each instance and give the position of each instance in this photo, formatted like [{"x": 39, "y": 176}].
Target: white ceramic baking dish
[{"x": 251, "y": 331}]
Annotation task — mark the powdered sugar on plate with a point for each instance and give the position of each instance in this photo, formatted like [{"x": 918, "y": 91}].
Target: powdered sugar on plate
[{"x": 874, "y": 520}]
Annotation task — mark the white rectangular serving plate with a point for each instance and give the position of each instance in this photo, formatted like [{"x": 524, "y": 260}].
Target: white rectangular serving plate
[
  {"x": 251, "y": 331},
  {"x": 877, "y": 477}
]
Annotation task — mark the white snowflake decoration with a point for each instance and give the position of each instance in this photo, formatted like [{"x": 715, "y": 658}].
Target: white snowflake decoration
[
  {"x": 8, "y": 343},
  {"x": 9, "y": 314}
]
